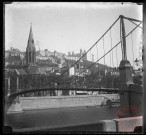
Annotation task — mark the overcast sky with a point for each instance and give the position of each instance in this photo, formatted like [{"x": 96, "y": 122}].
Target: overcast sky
[{"x": 68, "y": 27}]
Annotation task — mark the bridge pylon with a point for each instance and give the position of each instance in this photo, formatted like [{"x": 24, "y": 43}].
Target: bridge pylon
[
  {"x": 131, "y": 95},
  {"x": 12, "y": 105}
]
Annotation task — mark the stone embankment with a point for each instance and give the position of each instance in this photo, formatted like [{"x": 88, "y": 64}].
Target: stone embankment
[
  {"x": 131, "y": 124},
  {"x": 30, "y": 103}
]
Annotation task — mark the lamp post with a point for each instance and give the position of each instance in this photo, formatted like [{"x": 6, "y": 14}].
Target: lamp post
[
  {"x": 17, "y": 99},
  {"x": 7, "y": 78},
  {"x": 140, "y": 68},
  {"x": 138, "y": 65},
  {"x": 136, "y": 62}
]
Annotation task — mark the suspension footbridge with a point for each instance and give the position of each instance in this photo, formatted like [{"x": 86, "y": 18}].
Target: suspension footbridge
[{"x": 127, "y": 90}]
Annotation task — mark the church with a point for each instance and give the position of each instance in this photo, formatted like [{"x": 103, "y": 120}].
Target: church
[
  {"x": 30, "y": 76},
  {"x": 31, "y": 67}
]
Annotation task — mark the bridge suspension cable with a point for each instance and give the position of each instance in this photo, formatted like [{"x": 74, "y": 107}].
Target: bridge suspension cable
[
  {"x": 134, "y": 23},
  {"x": 132, "y": 19},
  {"x": 132, "y": 49},
  {"x": 90, "y": 55},
  {"x": 103, "y": 49},
  {"x": 109, "y": 50},
  {"x": 104, "y": 53},
  {"x": 91, "y": 47},
  {"x": 95, "y": 44},
  {"x": 111, "y": 47},
  {"x": 97, "y": 51},
  {"x": 117, "y": 56}
]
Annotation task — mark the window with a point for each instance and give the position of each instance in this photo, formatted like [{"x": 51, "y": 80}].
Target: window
[
  {"x": 32, "y": 57},
  {"x": 29, "y": 56}
]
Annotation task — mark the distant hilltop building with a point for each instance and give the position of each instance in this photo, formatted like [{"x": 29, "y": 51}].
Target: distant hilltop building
[
  {"x": 76, "y": 56},
  {"x": 14, "y": 57},
  {"x": 46, "y": 62}
]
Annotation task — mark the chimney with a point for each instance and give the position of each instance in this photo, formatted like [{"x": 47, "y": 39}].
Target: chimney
[
  {"x": 81, "y": 52},
  {"x": 68, "y": 53},
  {"x": 55, "y": 54},
  {"x": 85, "y": 57},
  {"x": 92, "y": 58}
]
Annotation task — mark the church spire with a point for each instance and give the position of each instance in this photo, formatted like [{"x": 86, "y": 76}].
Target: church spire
[
  {"x": 30, "y": 45},
  {"x": 31, "y": 34},
  {"x": 30, "y": 50}
]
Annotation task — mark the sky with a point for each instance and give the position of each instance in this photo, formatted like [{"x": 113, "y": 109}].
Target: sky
[{"x": 66, "y": 27}]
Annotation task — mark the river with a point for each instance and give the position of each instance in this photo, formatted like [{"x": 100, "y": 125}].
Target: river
[{"x": 59, "y": 117}]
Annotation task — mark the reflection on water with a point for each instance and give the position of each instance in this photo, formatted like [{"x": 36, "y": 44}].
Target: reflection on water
[{"x": 60, "y": 116}]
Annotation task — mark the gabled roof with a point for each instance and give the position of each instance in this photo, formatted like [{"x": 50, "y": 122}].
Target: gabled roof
[
  {"x": 7, "y": 54},
  {"x": 32, "y": 70},
  {"x": 17, "y": 71},
  {"x": 48, "y": 72},
  {"x": 40, "y": 72},
  {"x": 75, "y": 55},
  {"x": 36, "y": 71},
  {"x": 21, "y": 71},
  {"x": 14, "y": 58},
  {"x": 11, "y": 70}
]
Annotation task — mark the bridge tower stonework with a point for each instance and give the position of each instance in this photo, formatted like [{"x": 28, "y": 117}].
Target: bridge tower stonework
[
  {"x": 14, "y": 106},
  {"x": 131, "y": 95}
]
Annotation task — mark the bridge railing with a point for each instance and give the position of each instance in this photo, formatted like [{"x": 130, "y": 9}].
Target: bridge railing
[{"x": 64, "y": 91}]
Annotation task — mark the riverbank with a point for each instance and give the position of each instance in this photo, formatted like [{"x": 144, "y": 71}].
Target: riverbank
[{"x": 45, "y": 102}]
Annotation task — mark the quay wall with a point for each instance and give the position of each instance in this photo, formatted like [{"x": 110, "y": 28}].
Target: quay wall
[
  {"x": 122, "y": 125},
  {"x": 30, "y": 103}
]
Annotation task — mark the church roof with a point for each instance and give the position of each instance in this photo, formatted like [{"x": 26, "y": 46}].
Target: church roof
[
  {"x": 35, "y": 71},
  {"x": 14, "y": 58},
  {"x": 21, "y": 71},
  {"x": 32, "y": 70},
  {"x": 30, "y": 45},
  {"x": 41, "y": 72},
  {"x": 17, "y": 71}
]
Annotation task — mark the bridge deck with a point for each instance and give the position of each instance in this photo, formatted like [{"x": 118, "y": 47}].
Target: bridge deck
[{"x": 114, "y": 90}]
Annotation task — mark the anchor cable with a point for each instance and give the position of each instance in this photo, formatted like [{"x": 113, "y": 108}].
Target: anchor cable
[
  {"x": 111, "y": 47},
  {"x": 132, "y": 49}
]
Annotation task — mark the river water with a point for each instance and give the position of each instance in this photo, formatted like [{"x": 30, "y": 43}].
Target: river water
[{"x": 59, "y": 117}]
